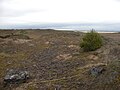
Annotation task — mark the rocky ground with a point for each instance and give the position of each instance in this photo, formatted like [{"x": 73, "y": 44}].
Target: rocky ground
[{"x": 54, "y": 61}]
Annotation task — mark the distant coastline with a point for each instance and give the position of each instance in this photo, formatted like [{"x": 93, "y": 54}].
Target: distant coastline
[
  {"x": 82, "y": 27},
  {"x": 83, "y": 31}
]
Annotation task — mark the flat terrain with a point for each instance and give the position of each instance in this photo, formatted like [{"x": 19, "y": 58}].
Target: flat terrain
[{"x": 56, "y": 62}]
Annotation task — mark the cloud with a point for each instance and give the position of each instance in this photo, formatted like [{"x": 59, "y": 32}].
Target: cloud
[
  {"x": 2, "y": 6},
  {"x": 2, "y": 1},
  {"x": 17, "y": 13},
  {"x": 22, "y": 11},
  {"x": 18, "y": 8}
]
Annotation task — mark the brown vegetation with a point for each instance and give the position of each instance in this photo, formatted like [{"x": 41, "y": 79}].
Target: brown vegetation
[{"x": 56, "y": 62}]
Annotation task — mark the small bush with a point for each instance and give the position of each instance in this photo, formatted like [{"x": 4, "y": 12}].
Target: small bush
[{"x": 91, "y": 41}]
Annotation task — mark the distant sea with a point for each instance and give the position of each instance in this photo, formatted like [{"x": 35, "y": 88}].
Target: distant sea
[{"x": 100, "y": 27}]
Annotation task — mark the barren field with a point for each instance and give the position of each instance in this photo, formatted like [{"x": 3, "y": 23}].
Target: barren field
[{"x": 55, "y": 61}]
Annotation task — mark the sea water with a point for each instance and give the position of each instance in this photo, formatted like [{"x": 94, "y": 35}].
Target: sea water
[{"x": 100, "y": 27}]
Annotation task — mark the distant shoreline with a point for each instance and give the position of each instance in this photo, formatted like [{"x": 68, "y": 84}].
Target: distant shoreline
[
  {"x": 84, "y": 31},
  {"x": 82, "y": 27},
  {"x": 101, "y": 32}
]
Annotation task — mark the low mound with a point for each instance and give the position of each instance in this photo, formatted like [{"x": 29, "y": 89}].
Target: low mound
[{"x": 16, "y": 36}]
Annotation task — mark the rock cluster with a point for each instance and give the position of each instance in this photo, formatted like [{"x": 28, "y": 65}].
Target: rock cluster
[
  {"x": 16, "y": 76},
  {"x": 95, "y": 71}
]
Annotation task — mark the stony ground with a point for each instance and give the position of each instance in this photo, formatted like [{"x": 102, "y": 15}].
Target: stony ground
[{"x": 56, "y": 62}]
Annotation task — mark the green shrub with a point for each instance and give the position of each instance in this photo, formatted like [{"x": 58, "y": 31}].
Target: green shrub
[{"x": 91, "y": 41}]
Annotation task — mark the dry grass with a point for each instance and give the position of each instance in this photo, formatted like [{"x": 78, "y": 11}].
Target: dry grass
[{"x": 55, "y": 60}]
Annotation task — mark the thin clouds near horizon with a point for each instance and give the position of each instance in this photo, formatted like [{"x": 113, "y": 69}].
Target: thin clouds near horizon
[{"x": 48, "y": 11}]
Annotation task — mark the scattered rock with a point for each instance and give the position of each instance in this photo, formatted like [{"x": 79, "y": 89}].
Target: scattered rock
[
  {"x": 16, "y": 76},
  {"x": 21, "y": 41},
  {"x": 31, "y": 45},
  {"x": 74, "y": 46},
  {"x": 57, "y": 87},
  {"x": 92, "y": 57},
  {"x": 95, "y": 71},
  {"x": 64, "y": 56},
  {"x": 47, "y": 42}
]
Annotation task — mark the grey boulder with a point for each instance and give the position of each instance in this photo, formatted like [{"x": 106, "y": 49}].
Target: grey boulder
[
  {"x": 16, "y": 76},
  {"x": 95, "y": 71}
]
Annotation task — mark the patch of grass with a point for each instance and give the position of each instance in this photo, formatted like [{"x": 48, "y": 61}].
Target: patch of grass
[
  {"x": 8, "y": 61},
  {"x": 31, "y": 87},
  {"x": 23, "y": 32},
  {"x": 114, "y": 65}
]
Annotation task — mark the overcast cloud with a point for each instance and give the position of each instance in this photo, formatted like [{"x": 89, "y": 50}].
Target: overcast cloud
[{"x": 46, "y": 11}]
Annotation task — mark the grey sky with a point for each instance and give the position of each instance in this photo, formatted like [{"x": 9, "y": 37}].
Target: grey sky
[{"x": 46, "y": 11}]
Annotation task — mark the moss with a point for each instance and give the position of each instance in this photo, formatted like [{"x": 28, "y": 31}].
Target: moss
[{"x": 31, "y": 87}]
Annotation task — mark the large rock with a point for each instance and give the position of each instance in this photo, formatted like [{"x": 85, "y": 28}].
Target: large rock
[
  {"x": 16, "y": 76},
  {"x": 95, "y": 71}
]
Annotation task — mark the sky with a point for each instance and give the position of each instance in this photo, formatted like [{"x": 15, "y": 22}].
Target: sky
[{"x": 59, "y": 11}]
